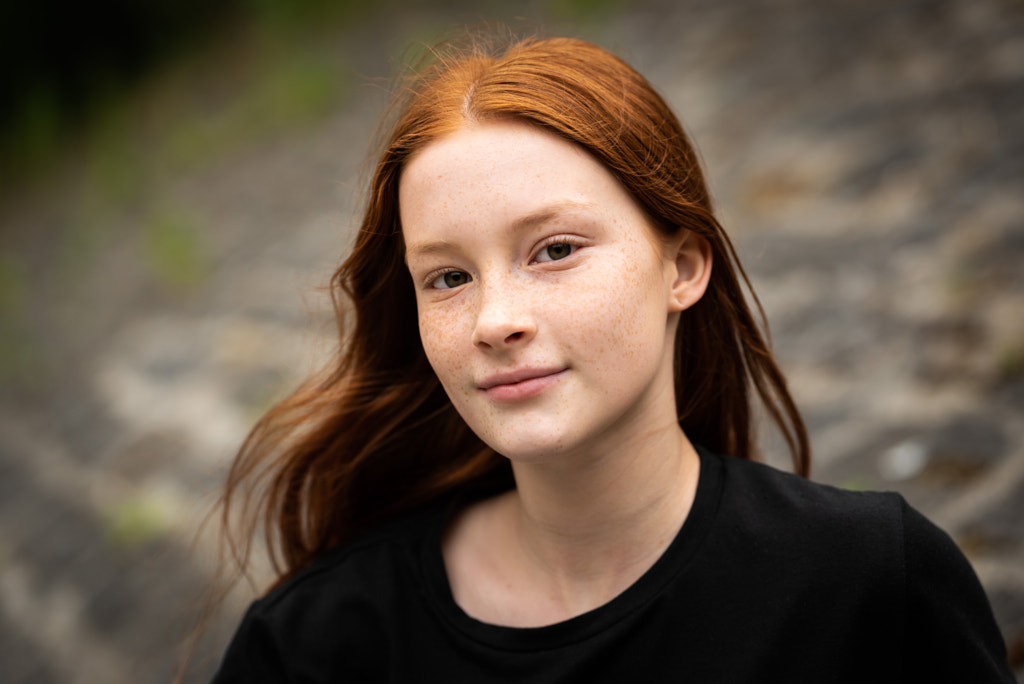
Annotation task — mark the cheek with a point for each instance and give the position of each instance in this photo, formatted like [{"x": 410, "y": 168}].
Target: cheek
[
  {"x": 620, "y": 314},
  {"x": 619, "y": 333},
  {"x": 441, "y": 335}
]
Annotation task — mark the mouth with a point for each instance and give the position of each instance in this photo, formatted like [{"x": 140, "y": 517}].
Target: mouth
[{"x": 520, "y": 384}]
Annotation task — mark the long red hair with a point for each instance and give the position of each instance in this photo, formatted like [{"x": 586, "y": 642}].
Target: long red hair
[{"x": 374, "y": 434}]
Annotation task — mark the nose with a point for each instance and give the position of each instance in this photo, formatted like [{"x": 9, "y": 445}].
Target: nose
[{"x": 503, "y": 318}]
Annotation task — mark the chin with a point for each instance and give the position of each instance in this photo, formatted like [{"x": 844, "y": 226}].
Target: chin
[{"x": 534, "y": 449}]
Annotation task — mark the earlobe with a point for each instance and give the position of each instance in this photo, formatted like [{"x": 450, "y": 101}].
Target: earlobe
[{"x": 692, "y": 272}]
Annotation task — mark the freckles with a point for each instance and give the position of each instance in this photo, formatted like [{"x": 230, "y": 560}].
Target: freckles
[
  {"x": 619, "y": 323},
  {"x": 440, "y": 343}
]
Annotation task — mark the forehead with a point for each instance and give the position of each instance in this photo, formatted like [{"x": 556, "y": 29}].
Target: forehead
[
  {"x": 501, "y": 171},
  {"x": 493, "y": 151}
]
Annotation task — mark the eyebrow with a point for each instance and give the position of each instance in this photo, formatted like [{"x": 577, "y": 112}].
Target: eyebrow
[
  {"x": 427, "y": 248},
  {"x": 531, "y": 220}
]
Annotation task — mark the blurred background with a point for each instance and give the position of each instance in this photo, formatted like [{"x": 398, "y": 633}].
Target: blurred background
[{"x": 179, "y": 178}]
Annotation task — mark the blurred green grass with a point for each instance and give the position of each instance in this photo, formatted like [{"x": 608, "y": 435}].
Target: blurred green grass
[
  {"x": 20, "y": 354},
  {"x": 1011, "y": 363},
  {"x": 105, "y": 184},
  {"x": 174, "y": 251},
  {"x": 280, "y": 95},
  {"x": 54, "y": 97},
  {"x": 289, "y": 77},
  {"x": 134, "y": 521},
  {"x": 263, "y": 81}
]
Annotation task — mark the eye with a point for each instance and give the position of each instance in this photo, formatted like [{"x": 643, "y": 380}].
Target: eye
[
  {"x": 556, "y": 251},
  {"x": 450, "y": 279}
]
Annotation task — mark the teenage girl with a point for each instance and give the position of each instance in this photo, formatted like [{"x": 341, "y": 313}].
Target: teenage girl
[{"x": 532, "y": 459}]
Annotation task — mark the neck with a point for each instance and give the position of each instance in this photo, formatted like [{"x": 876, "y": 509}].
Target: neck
[{"x": 594, "y": 530}]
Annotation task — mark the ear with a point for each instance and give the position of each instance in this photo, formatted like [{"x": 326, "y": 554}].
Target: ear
[{"x": 692, "y": 271}]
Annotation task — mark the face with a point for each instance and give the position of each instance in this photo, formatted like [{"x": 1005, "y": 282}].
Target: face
[{"x": 547, "y": 306}]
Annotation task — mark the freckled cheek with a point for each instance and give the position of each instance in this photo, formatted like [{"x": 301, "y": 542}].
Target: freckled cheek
[
  {"x": 442, "y": 340},
  {"x": 616, "y": 316}
]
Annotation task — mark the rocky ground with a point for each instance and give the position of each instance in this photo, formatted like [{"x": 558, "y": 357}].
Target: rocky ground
[{"x": 867, "y": 157}]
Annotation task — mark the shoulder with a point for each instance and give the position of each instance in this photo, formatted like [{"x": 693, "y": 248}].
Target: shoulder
[
  {"x": 373, "y": 561},
  {"x": 772, "y": 502},
  {"x": 808, "y": 537},
  {"x": 951, "y": 632},
  {"x": 766, "y": 499},
  {"x": 869, "y": 556},
  {"x": 353, "y": 596}
]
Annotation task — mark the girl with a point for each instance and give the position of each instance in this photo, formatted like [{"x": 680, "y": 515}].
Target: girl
[{"x": 533, "y": 458}]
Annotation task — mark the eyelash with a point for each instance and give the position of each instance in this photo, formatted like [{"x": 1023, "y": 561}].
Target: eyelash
[
  {"x": 572, "y": 241},
  {"x": 434, "y": 276}
]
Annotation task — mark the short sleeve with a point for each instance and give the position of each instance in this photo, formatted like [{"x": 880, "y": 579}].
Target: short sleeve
[
  {"x": 951, "y": 634},
  {"x": 252, "y": 657}
]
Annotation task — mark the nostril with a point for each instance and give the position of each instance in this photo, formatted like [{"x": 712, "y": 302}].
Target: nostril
[{"x": 513, "y": 337}]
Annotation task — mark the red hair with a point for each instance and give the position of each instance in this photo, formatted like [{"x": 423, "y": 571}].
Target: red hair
[{"x": 374, "y": 434}]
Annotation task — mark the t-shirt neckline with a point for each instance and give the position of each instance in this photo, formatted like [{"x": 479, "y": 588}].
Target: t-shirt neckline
[{"x": 673, "y": 561}]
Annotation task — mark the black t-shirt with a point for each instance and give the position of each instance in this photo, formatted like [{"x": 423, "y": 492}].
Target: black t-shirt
[{"x": 771, "y": 579}]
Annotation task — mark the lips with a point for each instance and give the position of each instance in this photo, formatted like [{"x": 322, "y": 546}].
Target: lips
[{"x": 519, "y": 384}]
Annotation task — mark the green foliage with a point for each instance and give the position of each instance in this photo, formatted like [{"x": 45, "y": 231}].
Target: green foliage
[
  {"x": 294, "y": 91},
  {"x": 174, "y": 251},
  {"x": 585, "y": 10},
  {"x": 13, "y": 286},
  {"x": 1011, "y": 363},
  {"x": 20, "y": 356},
  {"x": 857, "y": 483},
  {"x": 115, "y": 166},
  {"x": 133, "y": 522},
  {"x": 297, "y": 91},
  {"x": 33, "y": 138},
  {"x": 21, "y": 363},
  {"x": 289, "y": 15},
  {"x": 290, "y": 87}
]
